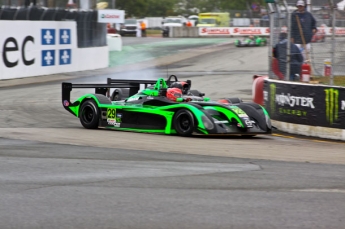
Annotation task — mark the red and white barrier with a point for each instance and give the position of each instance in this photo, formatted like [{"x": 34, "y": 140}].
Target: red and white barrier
[
  {"x": 258, "y": 89},
  {"x": 260, "y": 31}
]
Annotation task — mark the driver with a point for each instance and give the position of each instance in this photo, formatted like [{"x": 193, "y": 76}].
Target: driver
[
  {"x": 184, "y": 86},
  {"x": 251, "y": 37},
  {"x": 174, "y": 93}
]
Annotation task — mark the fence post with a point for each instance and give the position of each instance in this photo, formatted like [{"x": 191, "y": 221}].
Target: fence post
[
  {"x": 333, "y": 42},
  {"x": 271, "y": 21},
  {"x": 288, "y": 45}
]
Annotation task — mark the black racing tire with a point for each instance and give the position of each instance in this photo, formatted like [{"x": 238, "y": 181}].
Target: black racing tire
[
  {"x": 116, "y": 95},
  {"x": 184, "y": 123},
  {"x": 234, "y": 100},
  {"x": 89, "y": 114}
]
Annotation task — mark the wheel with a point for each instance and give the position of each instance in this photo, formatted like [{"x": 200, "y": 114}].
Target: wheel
[
  {"x": 89, "y": 114},
  {"x": 116, "y": 95},
  {"x": 234, "y": 100},
  {"x": 183, "y": 122}
]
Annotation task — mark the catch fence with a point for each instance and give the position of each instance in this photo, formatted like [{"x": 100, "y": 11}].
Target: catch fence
[{"x": 327, "y": 48}]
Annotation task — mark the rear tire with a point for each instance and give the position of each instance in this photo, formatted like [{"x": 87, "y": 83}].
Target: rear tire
[
  {"x": 89, "y": 114},
  {"x": 184, "y": 123}
]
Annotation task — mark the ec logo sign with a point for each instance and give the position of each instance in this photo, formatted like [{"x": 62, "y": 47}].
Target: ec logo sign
[{"x": 11, "y": 45}]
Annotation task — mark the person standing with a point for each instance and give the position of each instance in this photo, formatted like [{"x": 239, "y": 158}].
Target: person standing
[
  {"x": 143, "y": 28},
  {"x": 296, "y": 58},
  {"x": 303, "y": 28}
]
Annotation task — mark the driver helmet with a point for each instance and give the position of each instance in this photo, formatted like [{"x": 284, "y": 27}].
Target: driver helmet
[
  {"x": 184, "y": 86},
  {"x": 251, "y": 37},
  {"x": 174, "y": 93}
]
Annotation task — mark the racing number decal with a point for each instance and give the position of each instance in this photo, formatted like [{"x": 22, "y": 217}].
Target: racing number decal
[{"x": 111, "y": 113}]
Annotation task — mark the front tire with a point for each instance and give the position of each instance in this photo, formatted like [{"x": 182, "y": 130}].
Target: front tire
[
  {"x": 89, "y": 114},
  {"x": 184, "y": 123}
]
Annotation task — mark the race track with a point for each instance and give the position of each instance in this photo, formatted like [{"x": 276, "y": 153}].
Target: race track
[{"x": 55, "y": 174}]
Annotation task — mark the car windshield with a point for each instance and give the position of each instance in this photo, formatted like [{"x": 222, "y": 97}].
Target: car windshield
[
  {"x": 130, "y": 21},
  {"x": 173, "y": 20},
  {"x": 207, "y": 21}
]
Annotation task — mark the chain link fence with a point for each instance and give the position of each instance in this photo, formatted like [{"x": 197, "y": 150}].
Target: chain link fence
[{"x": 326, "y": 54}]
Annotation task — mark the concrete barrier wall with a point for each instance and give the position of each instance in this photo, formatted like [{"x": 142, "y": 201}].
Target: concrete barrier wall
[{"x": 33, "y": 48}]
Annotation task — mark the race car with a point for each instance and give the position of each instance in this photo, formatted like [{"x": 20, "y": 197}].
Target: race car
[
  {"x": 158, "y": 109},
  {"x": 251, "y": 41}
]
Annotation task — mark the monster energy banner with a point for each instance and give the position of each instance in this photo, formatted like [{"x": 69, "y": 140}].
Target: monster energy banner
[{"x": 312, "y": 105}]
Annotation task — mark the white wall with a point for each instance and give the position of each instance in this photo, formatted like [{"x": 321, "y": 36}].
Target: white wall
[{"x": 33, "y": 48}]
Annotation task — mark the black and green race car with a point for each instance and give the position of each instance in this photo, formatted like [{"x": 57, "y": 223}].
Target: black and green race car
[
  {"x": 251, "y": 41},
  {"x": 148, "y": 110}
]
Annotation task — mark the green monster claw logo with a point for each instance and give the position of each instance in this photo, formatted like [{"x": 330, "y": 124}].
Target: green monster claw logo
[
  {"x": 273, "y": 90},
  {"x": 332, "y": 104}
]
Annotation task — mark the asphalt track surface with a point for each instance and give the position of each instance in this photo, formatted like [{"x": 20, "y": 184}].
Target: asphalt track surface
[{"x": 55, "y": 174}]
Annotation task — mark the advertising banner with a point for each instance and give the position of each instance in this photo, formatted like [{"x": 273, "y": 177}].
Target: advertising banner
[
  {"x": 233, "y": 31},
  {"x": 305, "y": 104},
  {"x": 36, "y": 48},
  {"x": 111, "y": 16},
  {"x": 260, "y": 31}
]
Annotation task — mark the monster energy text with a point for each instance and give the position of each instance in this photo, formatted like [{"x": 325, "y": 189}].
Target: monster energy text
[
  {"x": 273, "y": 89},
  {"x": 293, "y": 101}
]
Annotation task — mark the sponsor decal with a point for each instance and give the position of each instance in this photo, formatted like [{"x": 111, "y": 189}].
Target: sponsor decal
[
  {"x": 219, "y": 31},
  {"x": 111, "y": 113},
  {"x": 293, "y": 101},
  {"x": 113, "y": 122},
  {"x": 238, "y": 111},
  {"x": 133, "y": 99},
  {"x": 249, "y": 123},
  {"x": 340, "y": 31},
  {"x": 218, "y": 121},
  {"x": 113, "y": 118},
  {"x": 273, "y": 90},
  {"x": 290, "y": 101},
  {"x": 333, "y": 105},
  {"x": 247, "y": 31},
  {"x": 110, "y": 16}
]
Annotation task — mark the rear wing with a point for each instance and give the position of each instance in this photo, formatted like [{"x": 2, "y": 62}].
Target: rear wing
[{"x": 104, "y": 89}]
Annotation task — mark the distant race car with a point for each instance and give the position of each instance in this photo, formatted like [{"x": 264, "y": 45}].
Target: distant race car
[
  {"x": 319, "y": 36},
  {"x": 152, "y": 109},
  {"x": 251, "y": 41}
]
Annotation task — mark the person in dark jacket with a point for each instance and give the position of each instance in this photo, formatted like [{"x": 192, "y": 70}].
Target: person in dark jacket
[
  {"x": 296, "y": 58},
  {"x": 303, "y": 27}
]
